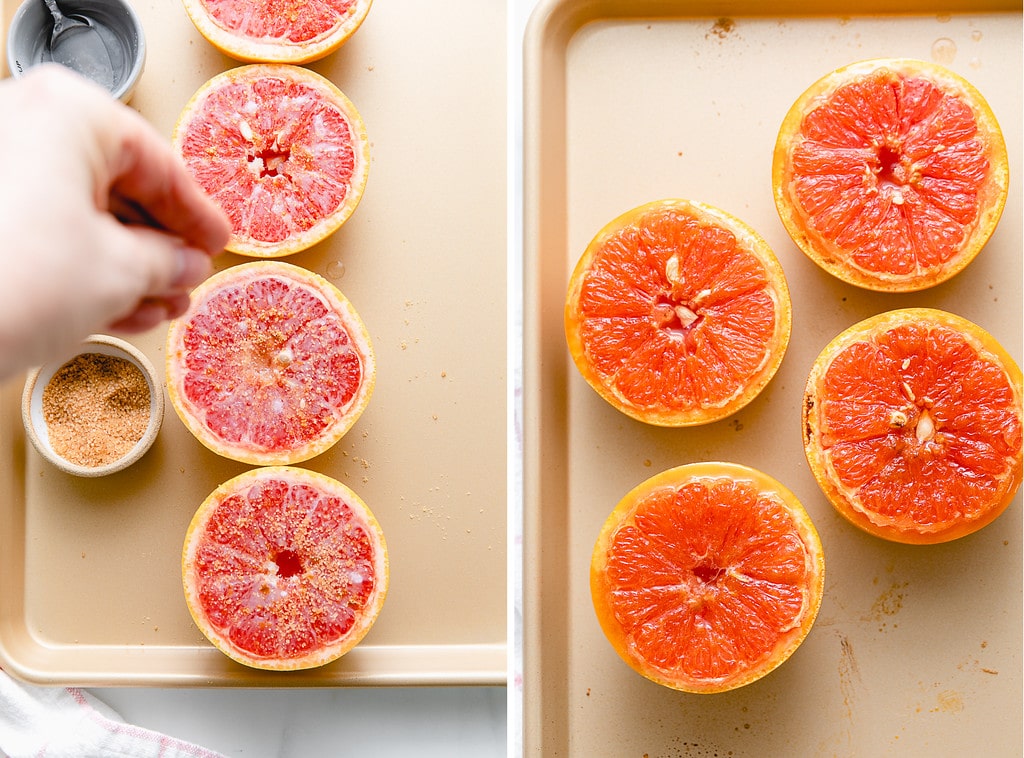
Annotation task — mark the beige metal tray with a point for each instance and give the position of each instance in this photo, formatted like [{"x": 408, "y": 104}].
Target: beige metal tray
[
  {"x": 89, "y": 570},
  {"x": 916, "y": 651}
]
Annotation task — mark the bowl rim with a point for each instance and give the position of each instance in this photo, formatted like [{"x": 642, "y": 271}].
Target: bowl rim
[{"x": 37, "y": 379}]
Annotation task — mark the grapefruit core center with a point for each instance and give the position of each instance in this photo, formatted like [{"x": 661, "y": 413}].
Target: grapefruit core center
[
  {"x": 708, "y": 572},
  {"x": 268, "y": 162},
  {"x": 288, "y": 563}
]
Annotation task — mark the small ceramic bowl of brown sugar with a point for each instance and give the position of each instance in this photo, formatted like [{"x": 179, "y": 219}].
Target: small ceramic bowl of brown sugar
[{"x": 95, "y": 411}]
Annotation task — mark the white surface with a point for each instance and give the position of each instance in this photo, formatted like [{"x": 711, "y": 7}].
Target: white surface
[
  {"x": 427, "y": 722},
  {"x": 379, "y": 722}
]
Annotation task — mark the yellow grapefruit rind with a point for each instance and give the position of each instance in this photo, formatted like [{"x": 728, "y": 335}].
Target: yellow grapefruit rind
[
  {"x": 623, "y": 514},
  {"x": 322, "y": 483},
  {"x": 361, "y": 148},
  {"x": 825, "y": 253},
  {"x": 335, "y": 301},
  {"x": 844, "y": 501},
  {"x": 752, "y": 242},
  {"x": 249, "y": 50}
]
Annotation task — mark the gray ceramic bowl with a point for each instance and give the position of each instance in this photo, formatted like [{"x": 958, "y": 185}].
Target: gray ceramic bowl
[{"x": 115, "y": 21}]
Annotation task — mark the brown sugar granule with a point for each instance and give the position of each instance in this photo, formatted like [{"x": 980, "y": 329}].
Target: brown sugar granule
[{"x": 96, "y": 408}]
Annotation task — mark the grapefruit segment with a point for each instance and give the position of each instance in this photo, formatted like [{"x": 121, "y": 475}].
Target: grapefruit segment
[
  {"x": 890, "y": 174},
  {"x": 677, "y": 313},
  {"x": 912, "y": 425},
  {"x": 270, "y": 365},
  {"x": 707, "y": 576},
  {"x": 284, "y": 568},
  {"x": 281, "y": 150}
]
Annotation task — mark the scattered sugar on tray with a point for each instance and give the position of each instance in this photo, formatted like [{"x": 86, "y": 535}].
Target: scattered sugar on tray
[{"x": 96, "y": 408}]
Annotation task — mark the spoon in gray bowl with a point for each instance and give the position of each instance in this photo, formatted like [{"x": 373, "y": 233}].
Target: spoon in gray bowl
[{"x": 75, "y": 43}]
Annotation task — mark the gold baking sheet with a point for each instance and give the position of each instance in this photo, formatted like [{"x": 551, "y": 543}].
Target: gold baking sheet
[
  {"x": 90, "y": 589},
  {"x": 916, "y": 651}
]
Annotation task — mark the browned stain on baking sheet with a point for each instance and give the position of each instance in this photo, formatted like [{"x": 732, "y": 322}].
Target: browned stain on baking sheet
[
  {"x": 949, "y": 701},
  {"x": 722, "y": 28},
  {"x": 849, "y": 674},
  {"x": 888, "y": 603}
]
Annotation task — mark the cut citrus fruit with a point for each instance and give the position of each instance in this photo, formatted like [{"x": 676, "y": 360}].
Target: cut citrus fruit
[
  {"x": 677, "y": 313},
  {"x": 890, "y": 174},
  {"x": 272, "y": 31},
  {"x": 270, "y": 365},
  {"x": 912, "y": 425},
  {"x": 707, "y": 576},
  {"x": 281, "y": 150},
  {"x": 284, "y": 568}
]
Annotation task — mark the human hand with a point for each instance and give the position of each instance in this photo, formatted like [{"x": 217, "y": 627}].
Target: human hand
[{"x": 102, "y": 227}]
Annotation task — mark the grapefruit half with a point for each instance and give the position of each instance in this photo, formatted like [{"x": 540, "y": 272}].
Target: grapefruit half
[
  {"x": 281, "y": 149},
  {"x": 277, "y": 31},
  {"x": 271, "y": 364},
  {"x": 284, "y": 568},
  {"x": 890, "y": 174},
  {"x": 677, "y": 313},
  {"x": 912, "y": 425},
  {"x": 707, "y": 576}
]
